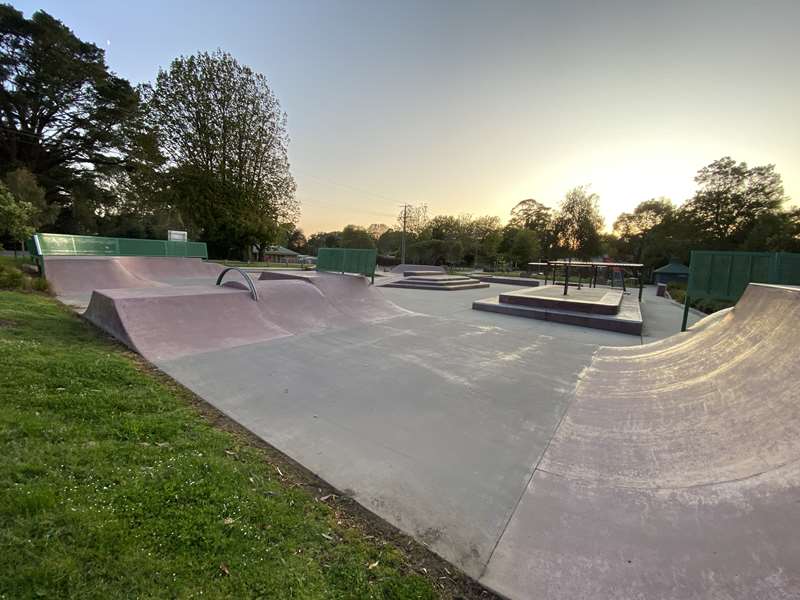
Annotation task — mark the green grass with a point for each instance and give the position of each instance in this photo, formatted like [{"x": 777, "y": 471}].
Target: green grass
[{"x": 113, "y": 485}]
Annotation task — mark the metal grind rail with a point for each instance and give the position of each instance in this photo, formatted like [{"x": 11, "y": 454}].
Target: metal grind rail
[{"x": 253, "y": 292}]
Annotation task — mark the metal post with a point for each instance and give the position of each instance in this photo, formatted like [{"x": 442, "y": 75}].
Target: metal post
[
  {"x": 403, "y": 238},
  {"x": 685, "y": 313},
  {"x": 566, "y": 275},
  {"x": 640, "y": 285}
]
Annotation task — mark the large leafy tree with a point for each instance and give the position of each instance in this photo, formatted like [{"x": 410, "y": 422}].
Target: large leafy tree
[
  {"x": 324, "y": 239},
  {"x": 731, "y": 198},
  {"x": 222, "y": 138},
  {"x": 638, "y": 228},
  {"x": 16, "y": 216},
  {"x": 578, "y": 224},
  {"x": 356, "y": 237},
  {"x": 525, "y": 248},
  {"x": 62, "y": 112},
  {"x": 531, "y": 214}
]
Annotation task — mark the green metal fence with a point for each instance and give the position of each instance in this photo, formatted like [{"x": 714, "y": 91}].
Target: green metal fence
[
  {"x": 725, "y": 275},
  {"x": 56, "y": 244},
  {"x": 347, "y": 260}
]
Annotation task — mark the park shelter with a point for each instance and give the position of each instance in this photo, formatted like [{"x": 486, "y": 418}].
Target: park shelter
[{"x": 674, "y": 271}]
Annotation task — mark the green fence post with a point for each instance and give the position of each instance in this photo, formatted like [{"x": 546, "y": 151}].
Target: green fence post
[{"x": 685, "y": 313}]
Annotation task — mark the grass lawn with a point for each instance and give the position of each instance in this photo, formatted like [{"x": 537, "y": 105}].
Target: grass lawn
[{"x": 113, "y": 484}]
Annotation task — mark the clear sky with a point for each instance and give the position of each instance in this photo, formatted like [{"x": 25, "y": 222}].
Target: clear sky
[{"x": 470, "y": 107}]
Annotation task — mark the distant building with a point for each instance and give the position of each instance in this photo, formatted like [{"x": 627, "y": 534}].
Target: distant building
[
  {"x": 279, "y": 254},
  {"x": 674, "y": 271}
]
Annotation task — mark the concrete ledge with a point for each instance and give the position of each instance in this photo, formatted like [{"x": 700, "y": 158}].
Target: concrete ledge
[
  {"x": 419, "y": 273},
  {"x": 526, "y": 281},
  {"x": 461, "y": 285},
  {"x": 628, "y": 320}
]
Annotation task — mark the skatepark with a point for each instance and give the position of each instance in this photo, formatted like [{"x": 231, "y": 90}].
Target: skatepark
[{"x": 543, "y": 459}]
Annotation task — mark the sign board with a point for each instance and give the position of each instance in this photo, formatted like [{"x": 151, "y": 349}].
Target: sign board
[{"x": 177, "y": 236}]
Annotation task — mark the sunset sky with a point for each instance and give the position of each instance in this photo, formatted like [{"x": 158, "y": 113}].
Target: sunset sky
[{"x": 470, "y": 107}]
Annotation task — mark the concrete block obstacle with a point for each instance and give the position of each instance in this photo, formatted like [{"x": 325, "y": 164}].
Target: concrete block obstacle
[
  {"x": 522, "y": 281},
  {"x": 598, "y": 308},
  {"x": 402, "y": 268},
  {"x": 439, "y": 282}
]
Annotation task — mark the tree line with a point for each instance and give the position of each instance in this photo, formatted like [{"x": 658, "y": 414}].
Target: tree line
[
  {"x": 735, "y": 207},
  {"x": 202, "y": 148}
]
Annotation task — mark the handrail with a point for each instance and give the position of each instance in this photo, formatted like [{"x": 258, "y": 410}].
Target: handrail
[{"x": 253, "y": 291}]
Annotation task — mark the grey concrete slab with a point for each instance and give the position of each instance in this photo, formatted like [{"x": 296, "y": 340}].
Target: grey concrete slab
[{"x": 432, "y": 423}]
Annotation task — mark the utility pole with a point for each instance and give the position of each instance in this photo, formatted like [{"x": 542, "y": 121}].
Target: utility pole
[{"x": 403, "y": 239}]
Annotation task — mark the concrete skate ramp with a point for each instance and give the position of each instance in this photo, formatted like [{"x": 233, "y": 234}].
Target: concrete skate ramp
[
  {"x": 675, "y": 472},
  {"x": 74, "y": 276},
  {"x": 168, "y": 322},
  {"x": 352, "y": 295}
]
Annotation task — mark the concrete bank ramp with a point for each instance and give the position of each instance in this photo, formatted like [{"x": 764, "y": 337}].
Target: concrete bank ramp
[
  {"x": 76, "y": 276},
  {"x": 351, "y": 295},
  {"x": 675, "y": 472},
  {"x": 167, "y": 322}
]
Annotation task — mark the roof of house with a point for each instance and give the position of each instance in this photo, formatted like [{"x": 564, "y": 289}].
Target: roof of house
[
  {"x": 673, "y": 267},
  {"x": 281, "y": 251}
]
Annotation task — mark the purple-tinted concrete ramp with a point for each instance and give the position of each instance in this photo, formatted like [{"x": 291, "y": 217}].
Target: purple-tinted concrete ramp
[
  {"x": 74, "y": 278},
  {"x": 168, "y": 322},
  {"x": 675, "y": 472}
]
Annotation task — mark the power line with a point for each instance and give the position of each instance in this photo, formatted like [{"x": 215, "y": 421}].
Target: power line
[
  {"x": 349, "y": 187},
  {"x": 314, "y": 201}
]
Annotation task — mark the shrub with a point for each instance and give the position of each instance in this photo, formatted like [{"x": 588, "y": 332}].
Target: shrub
[
  {"x": 677, "y": 290},
  {"x": 12, "y": 278}
]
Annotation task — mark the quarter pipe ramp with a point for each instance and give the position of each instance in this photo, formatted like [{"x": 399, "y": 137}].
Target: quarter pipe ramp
[{"x": 675, "y": 472}]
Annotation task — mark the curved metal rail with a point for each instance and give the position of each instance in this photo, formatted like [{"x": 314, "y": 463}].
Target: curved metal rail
[{"x": 253, "y": 292}]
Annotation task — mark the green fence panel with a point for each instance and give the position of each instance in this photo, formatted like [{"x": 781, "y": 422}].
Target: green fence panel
[
  {"x": 786, "y": 269},
  {"x": 725, "y": 275},
  {"x": 347, "y": 260},
  {"x": 56, "y": 244}
]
